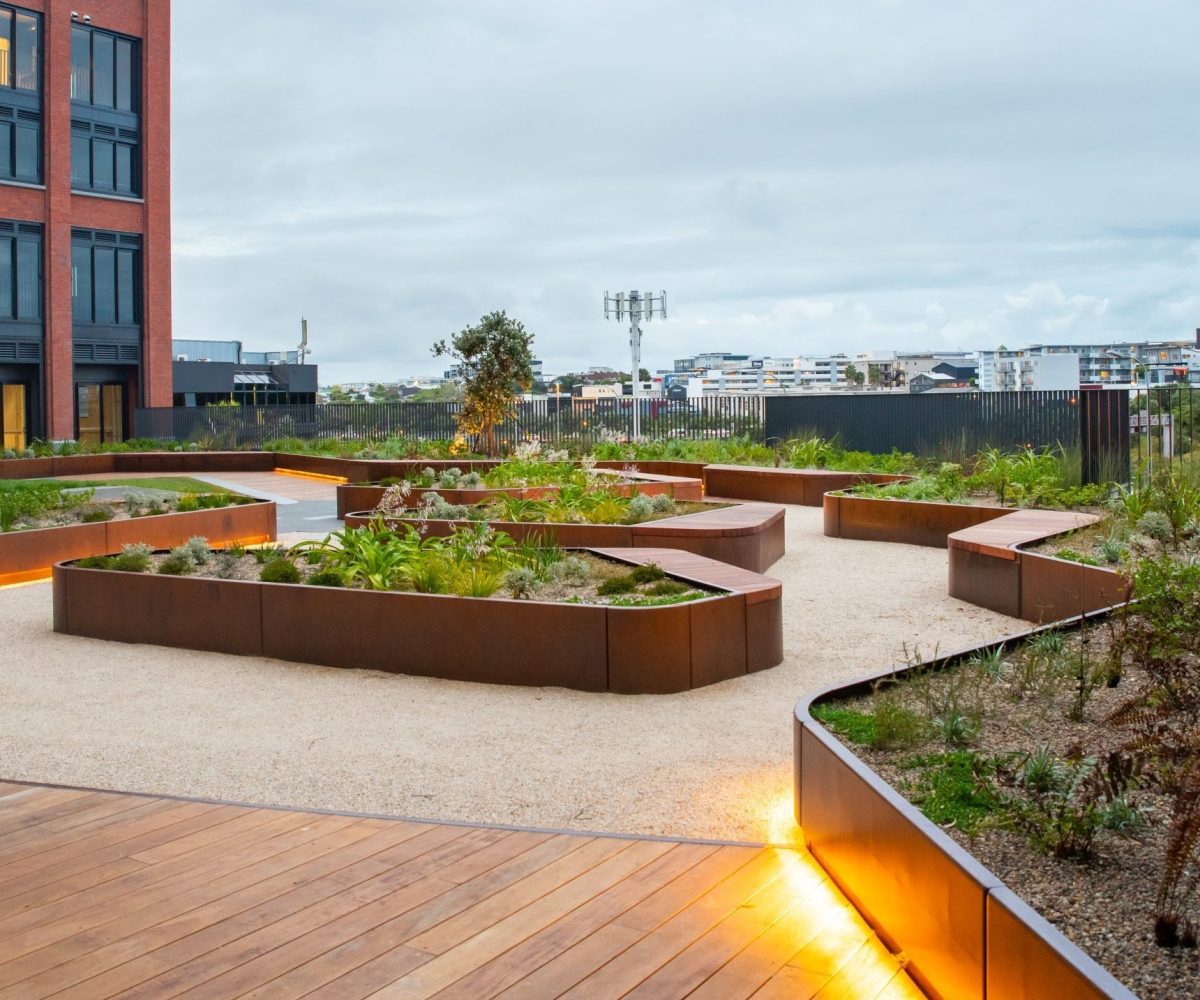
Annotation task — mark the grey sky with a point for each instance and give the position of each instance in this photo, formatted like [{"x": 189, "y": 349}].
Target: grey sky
[{"x": 800, "y": 177}]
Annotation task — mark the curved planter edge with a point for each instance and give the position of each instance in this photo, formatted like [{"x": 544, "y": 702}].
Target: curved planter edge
[
  {"x": 755, "y": 547},
  {"x": 655, "y": 650},
  {"x": 29, "y": 555},
  {"x": 966, "y": 933}
]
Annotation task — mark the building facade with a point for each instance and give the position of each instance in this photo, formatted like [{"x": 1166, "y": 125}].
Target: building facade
[
  {"x": 208, "y": 372},
  {"x": 85, "y": 217},
  {"x": 1071, "y": 366}
]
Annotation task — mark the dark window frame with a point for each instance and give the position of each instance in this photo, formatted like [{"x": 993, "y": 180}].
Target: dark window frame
[
  {"x": 110, "y": 132},
  {"x": 30, "y": 234},
  {"x": 85, "y": 244},
  {"x": 21, "y": 133}
]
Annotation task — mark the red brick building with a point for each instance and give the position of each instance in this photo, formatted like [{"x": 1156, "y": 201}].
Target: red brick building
[{"x": 85, "y": 216}]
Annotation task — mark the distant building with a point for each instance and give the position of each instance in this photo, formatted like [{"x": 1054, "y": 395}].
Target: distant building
[
  {"x": 1070, "y": 366},
  {"x": 219, "y": 371}
]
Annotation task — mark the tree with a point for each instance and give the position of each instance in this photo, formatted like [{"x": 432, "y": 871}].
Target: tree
[
  {"x": 854, "y": 375},
  {"x": 339, "y": 395},
  {"x": 383, "y": 393},
  {"x": 497, "y": 361}
]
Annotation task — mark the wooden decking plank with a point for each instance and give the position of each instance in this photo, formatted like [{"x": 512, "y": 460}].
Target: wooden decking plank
[
  {"x": 565, "y": 970},
  {"x": 8, "y": 788},
  {"x": 154, "y": 824},
  {"x": 16, "y": 823},
  {"x": 372, "y": 976},
  {"x": 632, "y": 966},
  {"x": 592, "y": 952},
  {"x": 377, "y": 944},
  {"x": 499, "y": 858},
  {"x": 865, "y": 974},
  {"x": 705, "y": 956},
  {"x": 461, "y": 960},
  {"x": 210, "y": 938},
  {"x": 327, "y": 864},
  {"x": 60, "y": 850},
  {"x": 40, "y": 947},
  {"x": 794, "y": 982},
  {"x": 900, "y": 987},
  {"x": 751, "y": 969},
  {"x": 151, "y": 877},
  {"x": 531, "y": 954},
  {"x": 107, "y": 810},
  {"x": 286, "y": 944},
  {"x": 462, "y": 925}
]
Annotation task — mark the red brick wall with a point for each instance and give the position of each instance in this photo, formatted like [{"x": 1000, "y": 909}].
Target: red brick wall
[{"x": 58, "y": 209}]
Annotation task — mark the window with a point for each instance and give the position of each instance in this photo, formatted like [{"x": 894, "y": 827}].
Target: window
[
  {"x": 20, "y": 95},
  {"x": 105, "y": 112},
  {"x": 104, "y": 279},
  {"x": 20, "y": 272}
]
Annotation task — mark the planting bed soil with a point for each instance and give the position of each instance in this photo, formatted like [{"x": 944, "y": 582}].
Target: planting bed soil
[{"x": 1025, "y": 760}]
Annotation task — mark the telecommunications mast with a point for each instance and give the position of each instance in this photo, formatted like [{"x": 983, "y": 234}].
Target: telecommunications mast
[{"x": 635, "y": 307}]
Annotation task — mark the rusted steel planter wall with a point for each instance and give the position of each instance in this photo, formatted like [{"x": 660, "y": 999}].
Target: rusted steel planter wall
[
  {"x": 754, "y": 544},
  {"x": 352, "y": 498},
  {"x": 28, "y": 555},
  {"x": 907, "y": 522},
  {"x": 797, "y": 486},
  {"x": 965, "y": 933},
  {"x": 656, "y": 650}
]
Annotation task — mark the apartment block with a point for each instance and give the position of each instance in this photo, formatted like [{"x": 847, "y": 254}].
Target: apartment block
[{"x": 85, "y": 217}]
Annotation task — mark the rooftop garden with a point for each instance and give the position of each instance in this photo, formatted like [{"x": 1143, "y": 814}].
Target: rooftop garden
[
  {"x": 472, "y": 562},
  {"x": 1070, "y": 764}
]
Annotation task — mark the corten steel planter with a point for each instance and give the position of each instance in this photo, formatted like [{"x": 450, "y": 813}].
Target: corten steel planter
[
  {"x": 750, "y": 536},
  {"x": 805, "y": 487},
  {"x": 655, "y": 650},
  {"x": 989, "y": 567},
  {"x": 907, "y": 522},
  {"x": 29, "y": 555},
  {"x": 965, "y": 933},
  {"x": 352, "y": 498}
]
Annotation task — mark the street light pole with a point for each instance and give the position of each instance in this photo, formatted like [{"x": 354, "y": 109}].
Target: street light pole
[{"x": 636, "y": 307}]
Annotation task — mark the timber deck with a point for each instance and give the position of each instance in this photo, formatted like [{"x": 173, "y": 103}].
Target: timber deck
[{"x": 104, "y": 894}]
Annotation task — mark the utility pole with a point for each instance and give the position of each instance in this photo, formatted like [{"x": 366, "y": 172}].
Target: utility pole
[{"x": 635, "y": 307}]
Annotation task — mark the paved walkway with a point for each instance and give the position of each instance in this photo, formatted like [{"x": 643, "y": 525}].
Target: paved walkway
[{"x": 103, "y": 894}]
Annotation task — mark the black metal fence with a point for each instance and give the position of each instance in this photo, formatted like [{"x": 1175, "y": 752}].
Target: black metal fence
[
  {"x": 574, "y": 421},
  {"x": 1107, "y": 427},
  {"x": 1162, "y": 428},
  {"x": 930, "y": 424}
]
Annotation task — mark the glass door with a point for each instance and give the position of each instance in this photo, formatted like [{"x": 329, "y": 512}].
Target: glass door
[
  {"x": 13, "y": 416},
  {"x": 100, "y": 412}
]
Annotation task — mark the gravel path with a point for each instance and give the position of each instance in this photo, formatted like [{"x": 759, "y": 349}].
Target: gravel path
[{"x": 714, "y": 763}]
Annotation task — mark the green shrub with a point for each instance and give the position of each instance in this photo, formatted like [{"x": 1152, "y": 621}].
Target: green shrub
[
  {"x": 624, "y": 584},
  {"x": 326, "y": 578},
  {"x": 857, "y": 727},
  {"x": 177, "y": 564},
  {"x": 648, "y": 573},
  {"x": 521, "y": 582},
  {"x": 95, "y": 513},
  {"x": 133, "y": 558},
  {"x": 280, "y": 570},
  {"x": 94, "y": 562},
  {"x": 666, "y": 587},
  {"x": 956, "y": 789},
  {"x": 896, "y": 724}
]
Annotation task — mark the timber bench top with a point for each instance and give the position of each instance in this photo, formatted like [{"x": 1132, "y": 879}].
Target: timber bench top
[
  {"x": 105, "y": 894},
  {"x": 740, "y": 519},
  {"x": 999, "y": 537},
  {"x": 701, "y": 569}
]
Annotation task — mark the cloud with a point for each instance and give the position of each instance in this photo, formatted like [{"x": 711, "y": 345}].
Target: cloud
[{"x": 798, "y": 177}]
